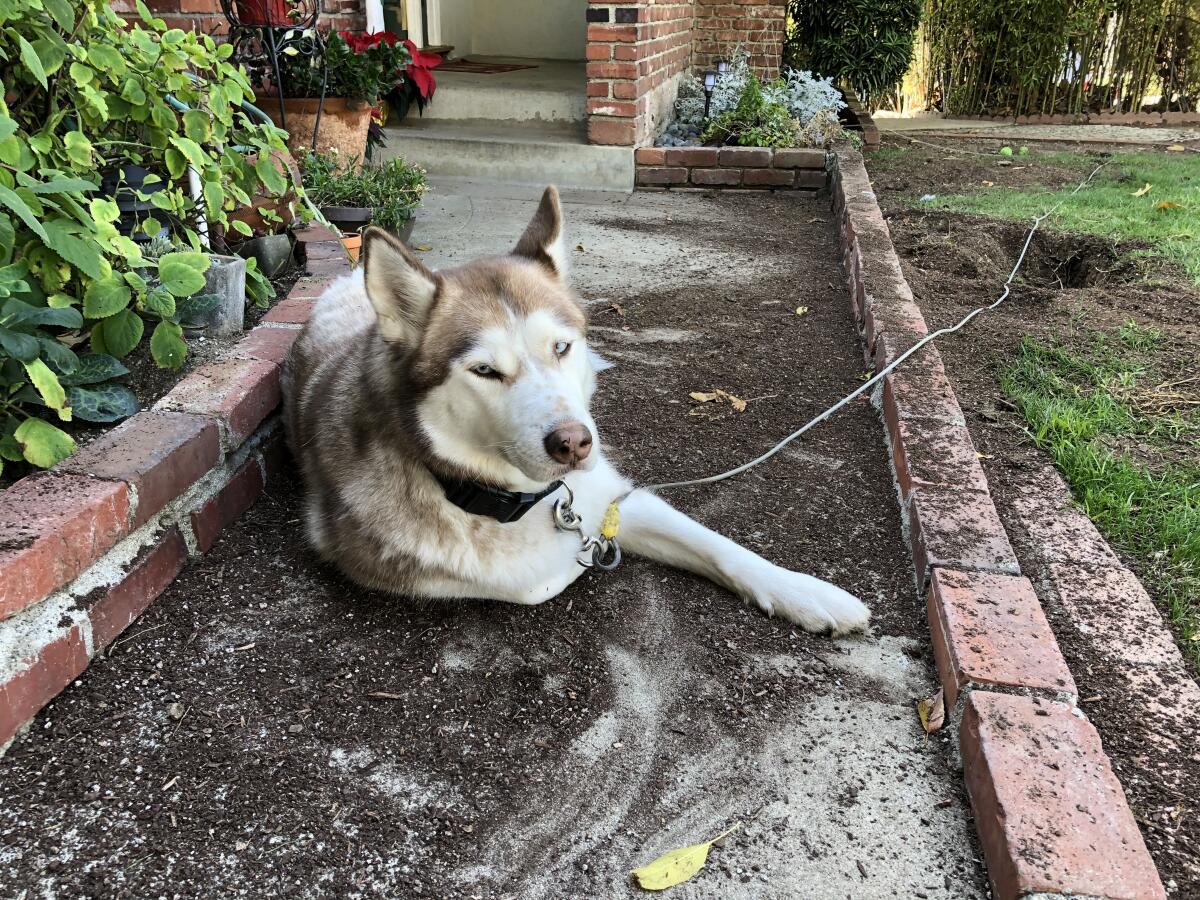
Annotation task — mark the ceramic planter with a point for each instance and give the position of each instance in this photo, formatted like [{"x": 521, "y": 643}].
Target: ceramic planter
[
  {"x": 272, "y": 252},
  {"x": 347, "y": 219},
  {"x": 123, "y": 185}
]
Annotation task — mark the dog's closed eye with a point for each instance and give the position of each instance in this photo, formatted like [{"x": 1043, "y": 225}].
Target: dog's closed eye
[{"x": 483, "y": 370}]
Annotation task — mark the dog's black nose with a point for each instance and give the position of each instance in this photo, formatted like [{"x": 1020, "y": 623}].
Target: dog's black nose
[{"x": 569, "y": 443}]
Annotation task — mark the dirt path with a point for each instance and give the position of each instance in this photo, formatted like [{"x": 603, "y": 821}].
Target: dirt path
[{"x": 340, "y": 743}]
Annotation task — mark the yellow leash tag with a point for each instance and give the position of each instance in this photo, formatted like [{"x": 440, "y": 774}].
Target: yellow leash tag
[{"x": 611, "y": 523}]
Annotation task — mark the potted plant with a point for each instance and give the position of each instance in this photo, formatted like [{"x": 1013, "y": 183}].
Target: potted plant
[
  {"x": 357, "y": 70},
  {"x": 418, "y": 84},
  {"x": 386, "y": 195}
]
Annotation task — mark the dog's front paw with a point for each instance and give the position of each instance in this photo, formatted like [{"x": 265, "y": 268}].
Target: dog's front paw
[{"x": 811, "y": 603}]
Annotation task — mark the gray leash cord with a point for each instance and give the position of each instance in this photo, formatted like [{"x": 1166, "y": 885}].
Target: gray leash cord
[{"x": 887, "y": 370}]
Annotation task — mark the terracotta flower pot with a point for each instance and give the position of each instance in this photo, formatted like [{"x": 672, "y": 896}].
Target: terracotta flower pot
[
  {"x": 262, "y": 12},
  {"x": 343, "y": 129},
  {"x": 280, "y": 206},
  {"x": 352, "y": 243}
]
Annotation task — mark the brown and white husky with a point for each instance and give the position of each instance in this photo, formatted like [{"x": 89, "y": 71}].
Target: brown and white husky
[{"x": 433, "y": 415}]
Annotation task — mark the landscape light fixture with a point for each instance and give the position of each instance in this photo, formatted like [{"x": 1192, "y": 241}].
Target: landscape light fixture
[
  {"x": 722, "y": 66},
  {"x": 710, "y": 82}
]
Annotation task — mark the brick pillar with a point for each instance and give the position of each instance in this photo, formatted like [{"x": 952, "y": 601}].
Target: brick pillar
[
  {"x": 636, "y": 53},
  {"x": 758, "y": 26}
]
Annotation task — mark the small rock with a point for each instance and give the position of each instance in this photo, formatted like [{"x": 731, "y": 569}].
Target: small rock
[
  {"x": 295, "y": 729},
  {"x": 176, "y": 711}
]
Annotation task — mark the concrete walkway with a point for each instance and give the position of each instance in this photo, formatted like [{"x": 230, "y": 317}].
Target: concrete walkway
[{"x": 270, "y": 730}]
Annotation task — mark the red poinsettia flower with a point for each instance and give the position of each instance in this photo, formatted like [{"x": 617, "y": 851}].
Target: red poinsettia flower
[{"x": 420, "y": 70}]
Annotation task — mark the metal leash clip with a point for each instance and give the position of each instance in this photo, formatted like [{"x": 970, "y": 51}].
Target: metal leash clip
[{"x": 594, "y": 552}]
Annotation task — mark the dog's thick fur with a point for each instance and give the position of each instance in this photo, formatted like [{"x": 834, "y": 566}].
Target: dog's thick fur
[{"x": 402, "y": 373}]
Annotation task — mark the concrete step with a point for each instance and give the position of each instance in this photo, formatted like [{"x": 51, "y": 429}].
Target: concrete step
[
  {"x": 550, "y": 92},
  {"x": 514, "y": 152}
]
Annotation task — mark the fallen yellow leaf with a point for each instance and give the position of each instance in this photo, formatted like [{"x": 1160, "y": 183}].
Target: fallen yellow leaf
[
  {"x": 801, "y": 310},
  {"x": 737, "y": 403},
  {"x": 677, "y": 866},
  {"x": 1168, "y": 204},
  {"x": 932, "y": 712},
  {"x": 708, "y": 396},
  {"x": 1142, "y": 191},
  {"x": 988, "y": 183},
  {"x": 422, "y": 247},
  {"x": 1177, "y": 148}
]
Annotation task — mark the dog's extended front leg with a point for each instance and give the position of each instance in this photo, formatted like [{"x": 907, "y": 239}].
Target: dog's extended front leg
[{"x": 651, "y": 527}]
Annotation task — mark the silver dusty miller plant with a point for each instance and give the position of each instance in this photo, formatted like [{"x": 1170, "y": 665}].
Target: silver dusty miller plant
[{"x": 800, "y": 91}]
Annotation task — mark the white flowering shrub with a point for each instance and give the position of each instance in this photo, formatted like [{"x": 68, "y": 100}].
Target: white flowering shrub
[{"x": 807, "y": 98}]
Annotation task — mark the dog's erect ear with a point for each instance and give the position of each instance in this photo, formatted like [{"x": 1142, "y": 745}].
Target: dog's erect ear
[
  {"x": 398, "y": 285},
  {"x": 543, "y": 239}
]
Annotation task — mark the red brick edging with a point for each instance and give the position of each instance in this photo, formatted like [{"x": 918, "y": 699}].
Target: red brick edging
[
  {"x": 1050, "y": 813},
  {"x": 87, "y": 546},
  {"x": 708, "y": 168}
]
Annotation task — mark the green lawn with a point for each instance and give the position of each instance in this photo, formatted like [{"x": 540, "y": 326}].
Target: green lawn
[
  {"x": 1166, "y": 217},
  {"x": 1126, "y": 436}
]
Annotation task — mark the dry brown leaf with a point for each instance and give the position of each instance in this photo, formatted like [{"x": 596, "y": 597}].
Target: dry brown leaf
[
  {"x": 932, "y": 712},
  {"x": 738, "y": 404},
  {"x": 988, "y": 183},
  {"x": 1168, "y": 204},
  {"x": 704, "y": 396},
  {"x": 1142, "y": 191}
]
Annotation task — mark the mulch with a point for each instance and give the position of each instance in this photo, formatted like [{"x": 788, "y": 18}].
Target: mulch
[{"x": 271, "y": 729}]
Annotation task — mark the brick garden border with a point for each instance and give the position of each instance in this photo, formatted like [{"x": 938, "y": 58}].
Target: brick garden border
[
  {"x": 87, "y": 546},
  {"x": 1050, "y": 813},
  {"x": 708, "y": 168}
]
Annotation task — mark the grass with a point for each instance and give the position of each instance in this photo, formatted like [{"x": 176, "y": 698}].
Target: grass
[
  {"x": 1126, "y": 436},
  {"x": 1166, "y": 218}
]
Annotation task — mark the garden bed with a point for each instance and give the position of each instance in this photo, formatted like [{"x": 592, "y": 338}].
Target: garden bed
[
  {"x": 328, "y": 735},
  {"x": 86, "y": 546},
  {"x": 1073, "y": 288}
]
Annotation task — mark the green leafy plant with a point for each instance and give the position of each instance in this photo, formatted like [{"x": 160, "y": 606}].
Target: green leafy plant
[
  {"x": 755, "y": 121},
  {"x": 867, "y": 44},
  {"x": 392, "y": 190},
  {"x": 83, "y": 91},
  {"x": 359, "y": 68}
]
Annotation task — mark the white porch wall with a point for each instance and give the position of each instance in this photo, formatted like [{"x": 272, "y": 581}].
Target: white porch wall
[{"x": 537, "y": 29}]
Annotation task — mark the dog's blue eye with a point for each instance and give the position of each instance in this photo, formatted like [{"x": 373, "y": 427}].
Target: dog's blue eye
[
  {"x": 562, "y": 347},
  {"x": 483, "y": 370}
]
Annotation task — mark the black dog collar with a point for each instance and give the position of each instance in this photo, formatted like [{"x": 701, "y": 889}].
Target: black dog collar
[{"x": 496, "y": 503}]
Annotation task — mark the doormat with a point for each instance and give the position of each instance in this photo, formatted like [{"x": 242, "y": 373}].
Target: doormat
[{"x": 482, "y": 68}]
